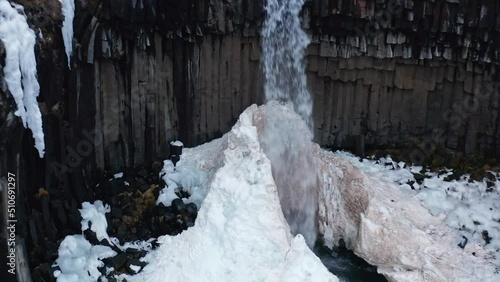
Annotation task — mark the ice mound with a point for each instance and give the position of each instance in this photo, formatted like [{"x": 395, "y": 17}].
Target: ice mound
[{"x": 240, "y": 233}]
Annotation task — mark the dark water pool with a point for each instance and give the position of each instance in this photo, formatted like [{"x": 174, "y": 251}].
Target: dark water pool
[{"x": 346, "y": 265}]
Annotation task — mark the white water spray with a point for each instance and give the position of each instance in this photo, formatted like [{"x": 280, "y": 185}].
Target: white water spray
[
  {"x": 294, "y": 169},
  {"x": 284, "y": 44}
]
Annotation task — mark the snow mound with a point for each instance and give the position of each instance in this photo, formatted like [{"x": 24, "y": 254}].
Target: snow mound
[
  {"x": 20, "y": 69},
  {"x": 176, "y": 143},
  {"x": 193, "y": 173},
  {"x": 468, "y": 206},
  {"x": 94, "y": 217},
  {"x": 79, "y": 260},
  {"x": 240, "y": 233},
  {"x": 392, "y": 230}
]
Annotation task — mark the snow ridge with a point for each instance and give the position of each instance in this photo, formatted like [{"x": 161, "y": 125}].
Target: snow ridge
[
  {"x": 68, "y": 10},
  {"x": 240, "y": 233},
  {"x": 20, "y": 69}
]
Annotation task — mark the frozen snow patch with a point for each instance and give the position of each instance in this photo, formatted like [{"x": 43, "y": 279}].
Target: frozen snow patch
[
  {"x": 95, "y": 214},
  {"x": 20, "y": 69},
  {"x": 389, "y": 228},
  {"x": 176, "y": 143},
  {"x": 192, "y": 173},
  {"x": 79, "y": 260},
  {"x": 469, "y": 207}
]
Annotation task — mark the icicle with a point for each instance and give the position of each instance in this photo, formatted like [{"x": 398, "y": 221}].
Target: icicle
[
  {"x": 68, "y": 10},
  {"x": 20, "y": 69}
]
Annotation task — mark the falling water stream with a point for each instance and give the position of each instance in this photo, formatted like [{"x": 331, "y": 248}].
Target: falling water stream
[{"x": 293, "y": 166}]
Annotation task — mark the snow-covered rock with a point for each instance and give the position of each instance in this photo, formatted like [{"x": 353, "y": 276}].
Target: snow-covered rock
[
  {"x": 79, "y": 260},
  {"x": 472, "y": 207},
  {"x": 94, "y": 217},
  {"x": 391, "y": 230},
  {"x": 240, "y": 233}
]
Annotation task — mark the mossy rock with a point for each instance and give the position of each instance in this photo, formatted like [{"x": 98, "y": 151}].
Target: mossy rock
[{"x": 43, "y": 13}]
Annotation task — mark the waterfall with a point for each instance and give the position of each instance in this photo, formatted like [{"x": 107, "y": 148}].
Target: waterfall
[
  {"x": 293, "y": 167},
  {"x": 284, "y": 44}
]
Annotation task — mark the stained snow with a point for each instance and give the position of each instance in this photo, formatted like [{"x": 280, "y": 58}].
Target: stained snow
[
  {"x": 20, "y": 69},
  {"x": 469, "y": 207},
  {"x": 68, "y": 10}
]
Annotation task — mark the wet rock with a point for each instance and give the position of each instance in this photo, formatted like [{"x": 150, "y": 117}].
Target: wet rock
[
  {"x": 133, "y": 264},
  {"x": 113, "y": 187},
  {"x": 176, "y": 149},
  {"x": 419, "y": 178},
  {"x": 154, "y": 243},
  {"x": 106, "y": 243},
  {"x": 156, "y": 193},
  {"x": 102, "y": 270},
  {"x": 161, "y": 209},
  {"x": 192, "y": 208},
  {"x": 456, "y": 175},
  {"x": 183, "y": 194},
  {"x": 115, "y": 201},
  {"x": 486, "y": 237},
  {"x": 144, "y": 187},
  {"x": 144, "y": 233},
  {"x": 117, "y": 261},
  {"x": 162, "y": 183},
  {"x": 156, "y": 167},
  {"x": 189, "y": 223},
  {"x": 463, "y": 243},
  {"x": 116, "y": 212},
  {"x": 131, "y": 251},
  {"x": 178, "y": 206},
  {"x": 175, "y": 159},
  {"x": 46, "y": 272},
  {"x": 91, "y": 237},
  {"x": 139, "y": 254},
  {"x": 142, "y": 172},
  {"x": 58, "y": 208}
]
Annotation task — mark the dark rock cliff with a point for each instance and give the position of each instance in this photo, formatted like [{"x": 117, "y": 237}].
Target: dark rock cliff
[{"x": 144, "y": 73}]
